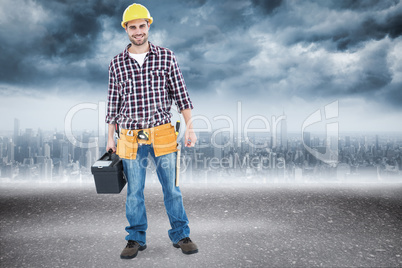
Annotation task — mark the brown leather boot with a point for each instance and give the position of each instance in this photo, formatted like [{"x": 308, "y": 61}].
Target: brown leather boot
[
  {"x": 131, "y": 250},
  {"x": 187, "y": 246}
]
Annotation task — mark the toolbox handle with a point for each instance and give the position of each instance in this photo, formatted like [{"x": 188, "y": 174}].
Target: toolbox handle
[{"x": 110, "y": 154}]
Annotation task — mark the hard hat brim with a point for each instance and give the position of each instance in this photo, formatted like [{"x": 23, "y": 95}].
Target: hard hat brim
[{"x": 123, "y": 23}]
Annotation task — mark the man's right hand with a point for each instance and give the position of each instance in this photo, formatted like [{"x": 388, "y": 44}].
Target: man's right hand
[{"x": 111, "y": 145}]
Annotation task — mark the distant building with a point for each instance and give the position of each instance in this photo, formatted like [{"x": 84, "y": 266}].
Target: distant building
[
  {"x": 284, "y": 133},
  {"x": 46, "y": 150},
  {"x": 307, "y": 139},
  {"x": 88, "y": 159},
  {"x": 10, "y": 151},
  {"x": 45, "y": 168}
]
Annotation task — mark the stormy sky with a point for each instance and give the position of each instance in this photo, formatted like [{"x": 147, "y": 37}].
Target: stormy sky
[{"x": 272, "y": 57}]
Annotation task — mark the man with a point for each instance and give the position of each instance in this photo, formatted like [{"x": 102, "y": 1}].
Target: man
[{"x": 143, "y": 81}]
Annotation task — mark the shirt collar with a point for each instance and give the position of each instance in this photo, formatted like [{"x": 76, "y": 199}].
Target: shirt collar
[{"x": 152, "y": 49}]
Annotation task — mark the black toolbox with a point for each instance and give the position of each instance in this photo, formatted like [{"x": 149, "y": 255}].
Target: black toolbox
[{"x": 108, "y": 174}]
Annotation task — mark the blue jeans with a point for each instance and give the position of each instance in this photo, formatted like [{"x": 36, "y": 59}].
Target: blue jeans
[{"x": 135, "y": 171}]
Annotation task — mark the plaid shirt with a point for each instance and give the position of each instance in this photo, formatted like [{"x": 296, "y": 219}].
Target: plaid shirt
[{"x": 141, "y": 97}]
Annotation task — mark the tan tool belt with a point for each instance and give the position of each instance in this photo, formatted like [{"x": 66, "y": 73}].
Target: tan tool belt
[{"x": 163, "y": 138}]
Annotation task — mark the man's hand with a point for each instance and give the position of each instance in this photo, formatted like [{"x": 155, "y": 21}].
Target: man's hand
[
  {"x": 111, "y": 145},
  {"x": 189, "y": 138}
]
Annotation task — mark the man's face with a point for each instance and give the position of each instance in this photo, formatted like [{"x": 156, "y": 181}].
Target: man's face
[{"x": 137, "y": 31}]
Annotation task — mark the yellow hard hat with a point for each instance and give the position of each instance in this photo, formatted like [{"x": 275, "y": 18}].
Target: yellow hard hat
[{"x": 135, "y": 11}]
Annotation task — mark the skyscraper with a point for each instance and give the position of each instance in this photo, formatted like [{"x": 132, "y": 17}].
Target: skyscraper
[
  {"x": 10, "y": 151},
  {"x": 88, "y": 159},
  {"x": 307, "y": 139},
  {"x": 16, "y": 130},
  {"x": 284, "y": 132},
  {"x": 48, "y": 169},
  {"x": 65, "y": 156},
  {"x": 307, "y": 143},
  {"x": 46, "y": 147}
]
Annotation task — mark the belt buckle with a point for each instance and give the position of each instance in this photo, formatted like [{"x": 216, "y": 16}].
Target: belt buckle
[{"x": 130, "y": 133}]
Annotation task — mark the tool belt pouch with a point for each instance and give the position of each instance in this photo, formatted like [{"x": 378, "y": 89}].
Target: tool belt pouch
[
  {"x": 165, "y": 141},
  {"x": 127, "y": 147}
]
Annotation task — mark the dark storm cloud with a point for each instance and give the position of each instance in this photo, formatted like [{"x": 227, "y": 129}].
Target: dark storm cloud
[
  {"x": 363, "y": 33},
  {"x": 192, "y": 3},
  {"x": 359, "y": 5},
  {"x": 76, "y": 26},
  {"x": 369, "y": 28},
  {"x": 65, "y": 32},
  {"x": 392, "y": 95},
  {"x": 348, "y": 23},
  {"x": 368, "y": 79},
  {"x": 267, "y": 7}
]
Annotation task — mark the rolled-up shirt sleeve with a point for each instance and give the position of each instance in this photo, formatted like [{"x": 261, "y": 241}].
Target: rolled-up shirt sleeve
[
  {"x": 177, "y": 87},
  {"x": 113, "y": 104}
]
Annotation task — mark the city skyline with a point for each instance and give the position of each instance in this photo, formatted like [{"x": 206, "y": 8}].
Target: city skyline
[{"x": 259, "y": 158}]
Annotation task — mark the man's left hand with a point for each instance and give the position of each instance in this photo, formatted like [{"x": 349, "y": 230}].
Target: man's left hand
[{"x": 189, "y": 138}]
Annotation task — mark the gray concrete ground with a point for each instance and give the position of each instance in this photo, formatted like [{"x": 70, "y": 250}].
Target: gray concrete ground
[{"x": 285, "y": 225}]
